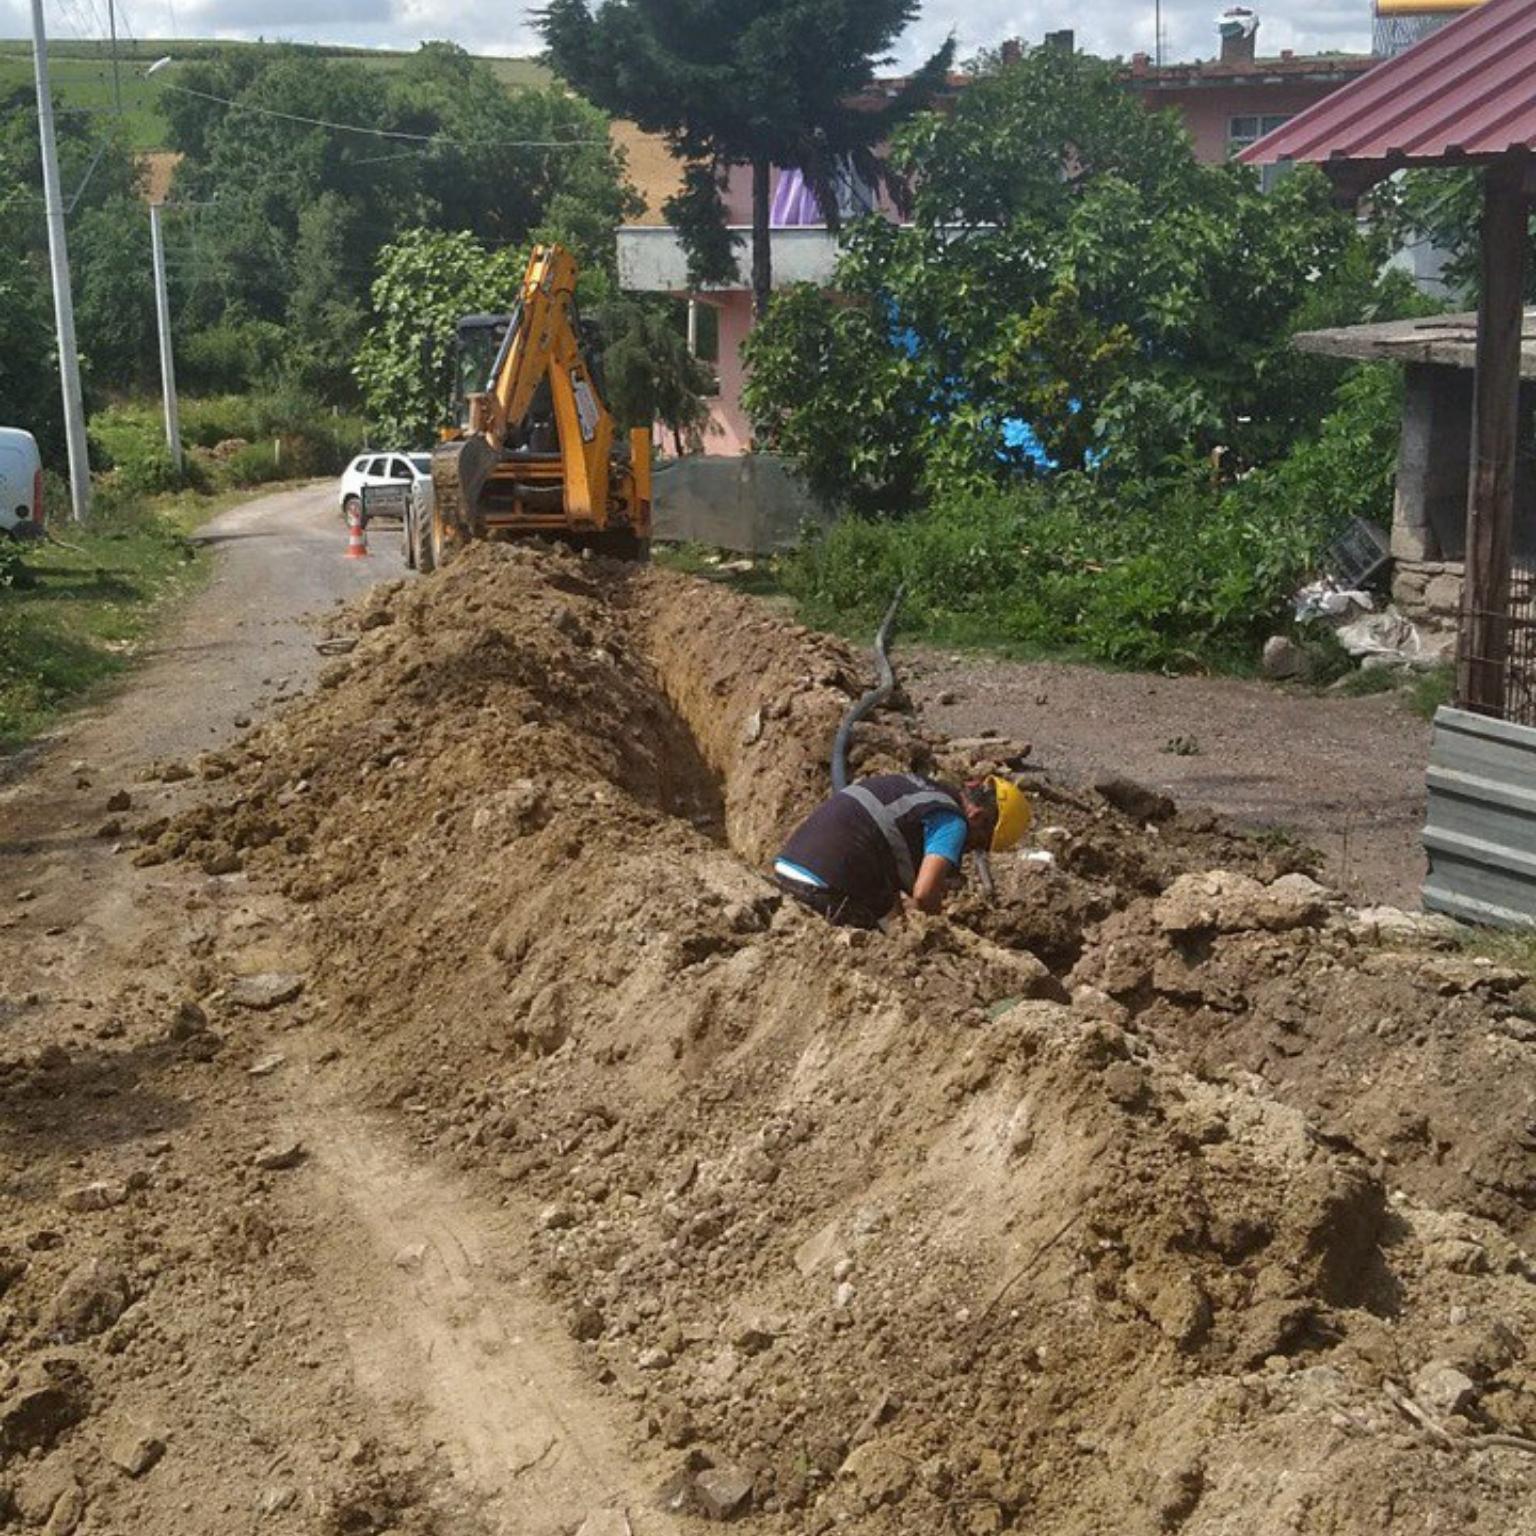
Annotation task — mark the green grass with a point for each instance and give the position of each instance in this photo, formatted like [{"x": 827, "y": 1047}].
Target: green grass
[
  {"x": 1430, "y": 690},
  {"x": 82, "y": 75},
  {"x": 90, "y": 601},
  {"x": 1361, "y": 684},
  {"x": 85, "y": 85}
]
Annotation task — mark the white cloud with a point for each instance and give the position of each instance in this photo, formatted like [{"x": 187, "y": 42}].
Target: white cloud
[{"x": 1189, "y": 25}]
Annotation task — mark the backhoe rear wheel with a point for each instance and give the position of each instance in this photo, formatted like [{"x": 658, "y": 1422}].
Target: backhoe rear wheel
[{"x": 421, "y": 543}]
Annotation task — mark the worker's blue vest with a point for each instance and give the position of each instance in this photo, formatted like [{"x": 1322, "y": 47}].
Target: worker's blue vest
[{"x": 866, "y": 842}]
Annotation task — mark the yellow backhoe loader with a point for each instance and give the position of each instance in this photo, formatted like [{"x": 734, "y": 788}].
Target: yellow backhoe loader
[{"x": 534, "y": 452}]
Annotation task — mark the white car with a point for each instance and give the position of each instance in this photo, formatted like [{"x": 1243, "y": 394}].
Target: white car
[
  {"x": 381, "y": 469},
  {"x": 21, "y": 485}
]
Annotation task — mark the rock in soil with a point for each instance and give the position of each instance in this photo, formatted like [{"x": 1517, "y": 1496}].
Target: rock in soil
[
  {"x": 270, "y": 989},
  {"x": 279, "y": 1155},
  {"x": 723, "y": 1492},
  {"x": 93, "y": 1296},
  {"x": 134, "y": 1450},
  {"x": 100, "y": 1196}
]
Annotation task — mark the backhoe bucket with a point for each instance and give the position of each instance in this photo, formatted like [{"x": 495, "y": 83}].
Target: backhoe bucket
[{"x": 459, "y": 473}]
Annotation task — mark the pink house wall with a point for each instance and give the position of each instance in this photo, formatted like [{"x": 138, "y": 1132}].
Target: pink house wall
[
  {"x": 730, "y": 431},
  {"x": 1207, "y": 110}
]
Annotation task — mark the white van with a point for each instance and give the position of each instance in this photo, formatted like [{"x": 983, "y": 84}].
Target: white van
[{"x": 21, "y": 485}]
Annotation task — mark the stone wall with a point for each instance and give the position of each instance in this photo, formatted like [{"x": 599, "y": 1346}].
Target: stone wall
[{"x": 1428, "y": 592}]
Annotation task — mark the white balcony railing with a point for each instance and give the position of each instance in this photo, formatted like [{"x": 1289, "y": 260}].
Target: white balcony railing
[{"x": 652, "y": 260}]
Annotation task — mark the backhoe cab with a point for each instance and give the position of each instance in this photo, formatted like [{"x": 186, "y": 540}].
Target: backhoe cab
[{"x": 533, "y": 450}]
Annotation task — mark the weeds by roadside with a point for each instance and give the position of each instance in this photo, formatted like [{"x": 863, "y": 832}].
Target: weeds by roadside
[{"x": 1431, "y": 690}]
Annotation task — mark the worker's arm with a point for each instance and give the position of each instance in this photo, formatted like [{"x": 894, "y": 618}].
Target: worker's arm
[
  {"x": 943, "y": 848},
  {"x": 932, "y": 878}
]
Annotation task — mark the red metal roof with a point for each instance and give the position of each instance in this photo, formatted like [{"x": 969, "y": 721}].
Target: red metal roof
[{"x": 1466, "y": 92}]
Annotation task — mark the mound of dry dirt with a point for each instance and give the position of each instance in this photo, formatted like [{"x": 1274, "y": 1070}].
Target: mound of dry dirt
[{"x": 1143, "y": 1199}]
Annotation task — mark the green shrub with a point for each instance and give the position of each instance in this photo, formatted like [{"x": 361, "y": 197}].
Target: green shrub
[
  {"x": 147, "y": 472},
  {"x": 1170, "y": 570},
  {"x": 255, "y": 464},
  {"x": 214, "y": 419},
  {"x": 230, "y": 356},
  {"x": 1170, "y": 573},
  {"x": 13, "y": 569}
]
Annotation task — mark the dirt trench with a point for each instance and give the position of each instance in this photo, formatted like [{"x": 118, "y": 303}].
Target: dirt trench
[{"x": 1076, "y": 1213}]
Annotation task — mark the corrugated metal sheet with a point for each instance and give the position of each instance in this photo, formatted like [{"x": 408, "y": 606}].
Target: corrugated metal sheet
[
  {"x": 1468, "y": 91},
  {"x": 1481, "y": 832}
]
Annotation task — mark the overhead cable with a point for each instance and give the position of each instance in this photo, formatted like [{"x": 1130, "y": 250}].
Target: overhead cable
[{"x": 386, "y": 133}]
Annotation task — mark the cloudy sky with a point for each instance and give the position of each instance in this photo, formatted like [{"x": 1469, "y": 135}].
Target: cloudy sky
[{"x": 1189, "y": 25}]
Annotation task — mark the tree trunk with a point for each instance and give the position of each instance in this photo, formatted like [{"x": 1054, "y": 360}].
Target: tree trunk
[{"x": 762, "y": 253}]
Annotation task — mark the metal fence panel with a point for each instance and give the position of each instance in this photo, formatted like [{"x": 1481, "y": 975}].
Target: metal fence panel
[{"x": 1481, "y": 832}]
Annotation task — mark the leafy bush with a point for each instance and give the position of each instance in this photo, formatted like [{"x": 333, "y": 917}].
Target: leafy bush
[
  {"x": 231, "y": 355},
  {"x": 148, "y": 472},
  {"x": 314, "y": 440},
  {"x": 1169, "y": 571},
  {"x": 255, "y": 464}
]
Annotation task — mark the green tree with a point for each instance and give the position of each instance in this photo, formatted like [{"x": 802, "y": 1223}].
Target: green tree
[
  {"x": 114, "y": 296},
  {"x": 763, "y": 83},
  {"x": 427, "y": 281},
  {"x": 648, "y": 372},
  {"x": 1071, "y": 268},
  {"x": 289, "y": 216}
]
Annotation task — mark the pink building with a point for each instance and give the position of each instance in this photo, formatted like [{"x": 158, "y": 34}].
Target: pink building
[
  {"x": 652, "y": 260},
  {"x": 1233, "y": 100}
]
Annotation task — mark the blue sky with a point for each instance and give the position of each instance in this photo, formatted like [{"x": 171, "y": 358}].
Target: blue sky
[{"x": 1189, "y": 25}]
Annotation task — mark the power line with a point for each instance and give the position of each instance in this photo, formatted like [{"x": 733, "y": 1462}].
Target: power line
[{"x": 386, "y": 133}]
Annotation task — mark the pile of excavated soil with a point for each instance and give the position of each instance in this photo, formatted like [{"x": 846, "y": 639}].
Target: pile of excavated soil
[{"x": 1142, "y": 1199}]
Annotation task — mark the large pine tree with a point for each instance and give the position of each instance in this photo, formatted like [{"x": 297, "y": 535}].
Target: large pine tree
[{"x": 746, "y": 82}]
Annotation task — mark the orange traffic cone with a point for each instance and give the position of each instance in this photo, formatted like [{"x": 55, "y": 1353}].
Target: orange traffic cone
[{"x": 357, "y": 537}]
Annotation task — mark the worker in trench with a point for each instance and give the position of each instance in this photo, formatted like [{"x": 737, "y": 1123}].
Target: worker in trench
[{"x": 892, "y": 839}]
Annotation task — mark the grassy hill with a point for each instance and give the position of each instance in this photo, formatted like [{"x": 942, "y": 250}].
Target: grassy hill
[{"x": 82, "y": 74}]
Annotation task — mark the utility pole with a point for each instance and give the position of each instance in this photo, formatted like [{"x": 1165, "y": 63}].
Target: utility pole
[
  {"x": 58, "y": 260},
  {"x": 163, "y": 317}
]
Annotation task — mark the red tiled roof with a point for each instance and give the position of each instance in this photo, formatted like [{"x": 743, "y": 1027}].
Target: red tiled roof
[{"x": 1466, "y": 92}]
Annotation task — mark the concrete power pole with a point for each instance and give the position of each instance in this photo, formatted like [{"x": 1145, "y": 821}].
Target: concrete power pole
[
  {"x": 167, "y": 360},
  {"x": 58, "y": 260}
]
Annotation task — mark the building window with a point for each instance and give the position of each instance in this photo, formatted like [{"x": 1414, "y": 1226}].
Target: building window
[{"x": 1249, "y": 129}]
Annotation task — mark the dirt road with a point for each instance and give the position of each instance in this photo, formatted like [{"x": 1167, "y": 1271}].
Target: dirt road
[
  {"x": 1343, "y": 775},
  {"x": 359, "y": 1356}
]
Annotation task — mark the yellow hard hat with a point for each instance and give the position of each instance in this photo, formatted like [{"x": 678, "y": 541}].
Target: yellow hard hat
[{"x": 1014, "y": 814}]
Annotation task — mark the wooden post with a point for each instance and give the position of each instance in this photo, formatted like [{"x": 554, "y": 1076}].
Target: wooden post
[{"x": 1484, "y": 641}]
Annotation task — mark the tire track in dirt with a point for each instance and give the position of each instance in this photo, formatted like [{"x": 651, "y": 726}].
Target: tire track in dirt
[{"x": 424, "y": 1281}]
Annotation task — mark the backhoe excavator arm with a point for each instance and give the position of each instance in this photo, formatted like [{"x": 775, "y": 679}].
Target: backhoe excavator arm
[
  {"x": 539, "y": 323},
  {"x": 543, "y": 345}
]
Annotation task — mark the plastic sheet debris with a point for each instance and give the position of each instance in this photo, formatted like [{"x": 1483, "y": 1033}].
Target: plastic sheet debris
[{"x": 1326, "y": 600}]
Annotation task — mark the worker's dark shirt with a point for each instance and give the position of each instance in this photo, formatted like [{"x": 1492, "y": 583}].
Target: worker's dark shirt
[{"x": 868, "y": 841}]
